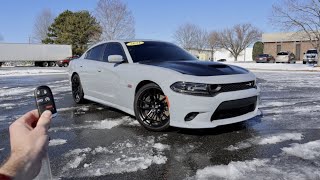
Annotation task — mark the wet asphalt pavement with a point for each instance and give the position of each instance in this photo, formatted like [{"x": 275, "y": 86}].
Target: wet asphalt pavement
[{"x": 92, "y": 141}]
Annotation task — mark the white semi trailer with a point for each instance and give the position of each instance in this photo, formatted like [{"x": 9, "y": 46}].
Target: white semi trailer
[{"x": 41, "y": 54}]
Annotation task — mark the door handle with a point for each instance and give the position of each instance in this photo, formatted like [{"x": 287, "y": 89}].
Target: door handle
[
  {"x": 99, "y": 70},
  {"x": 80, "y": 66}
]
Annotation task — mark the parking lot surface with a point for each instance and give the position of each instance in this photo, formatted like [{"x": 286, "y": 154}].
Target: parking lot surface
[{"x": 98, "y": 142}]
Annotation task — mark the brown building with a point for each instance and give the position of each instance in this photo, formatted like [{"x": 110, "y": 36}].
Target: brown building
[{"x": 294, "y": 42}]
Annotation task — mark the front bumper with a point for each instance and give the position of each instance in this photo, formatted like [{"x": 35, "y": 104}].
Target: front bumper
[
  {"x": 310, "y": 60},
  {"x": 181, "y": 105}
]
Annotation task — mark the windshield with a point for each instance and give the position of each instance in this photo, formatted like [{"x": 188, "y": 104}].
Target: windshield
[
  {"x": 282, "y": 53},
  {"x": 263, "y": 55},
  {"x": 157, "y": 51},
  {"x": 312, "y": 52}
]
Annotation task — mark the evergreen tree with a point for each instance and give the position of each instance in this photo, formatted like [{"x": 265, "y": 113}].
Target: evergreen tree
[
  {"x": 75, "y": 28},
  {"x": 257, "y": 49}
]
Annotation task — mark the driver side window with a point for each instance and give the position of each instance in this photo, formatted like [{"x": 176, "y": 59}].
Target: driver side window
[{"x": 113, "y": 48}]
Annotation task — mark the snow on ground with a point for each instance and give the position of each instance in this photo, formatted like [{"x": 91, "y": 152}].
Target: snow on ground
[
  {"x": 275, "y": 66},
  {"x": 86, "y": 107},
  {"x": 56, "y": 142},
  {"x": 260, "y": 169},
  {"x": 106, "y": 124},
  {"x": 310, "y": 150},
  {"x": 234, "y": 170},
  {"x": 119, "y": 157},
  {"x": 161, "y": 147},
  {"x": 15, "y": 91},
  {"x": 3, "y": 118},
  {"x": 31, "y": 71},
  {"x": 100, "y": 124},
  {"x": 268, "y": 139}
]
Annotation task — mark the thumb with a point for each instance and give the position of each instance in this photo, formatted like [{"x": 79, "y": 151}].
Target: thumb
[{"x": 45, "y": 119}]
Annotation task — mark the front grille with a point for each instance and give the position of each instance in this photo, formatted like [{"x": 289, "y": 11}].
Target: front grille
[
  {"x": 231, "y": 87},
  {"x": 234, "y": 108}
]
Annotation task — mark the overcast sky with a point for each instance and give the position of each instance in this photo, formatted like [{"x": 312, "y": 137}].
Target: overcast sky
[{"x": 154, "y": 19}]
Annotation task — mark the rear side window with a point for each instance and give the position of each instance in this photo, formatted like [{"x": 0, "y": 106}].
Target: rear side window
[
  {"x": 282, "y": 53},
  {"x": 113, "y": 49},
  {"x": 95, "y": 53},
  {"x": 263, "y": 55}
]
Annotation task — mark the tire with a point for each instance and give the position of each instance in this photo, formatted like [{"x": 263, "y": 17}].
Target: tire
[
  {"x": 65, "y": 64},
  {"x": 304, "y": 62},
  {"x": 52, "y": 64},
  {"x": 45, "y": 64},
  {"x": 151, "y": 108},
  {"x": 77, "y": 91}
]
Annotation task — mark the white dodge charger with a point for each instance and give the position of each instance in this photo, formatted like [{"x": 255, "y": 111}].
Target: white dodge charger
[{"x": 163, "y": 85}]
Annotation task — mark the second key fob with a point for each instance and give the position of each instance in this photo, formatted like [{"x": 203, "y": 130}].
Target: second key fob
[{"x": 44, "y": 100}]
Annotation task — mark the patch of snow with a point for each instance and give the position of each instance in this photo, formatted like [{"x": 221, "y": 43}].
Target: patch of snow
[
  {"x": 6, "y": 105},
  {"x": 310, "y": 150},
  {"x": 56, "y": 142},
  {"x": 76, "y": 162},
  {"x": 119, "y": 157},
  {"x": 71, "y": 108},
  {"x": 274, "y": 139},
  {"x": 274, "y": 104},
  {"x": 234, "y": 170},
  {"x": 3, "y": 118},
  {"x": 24, "y": 72},
  {"x": 161, "y": 147},
  {"x": 15, "y": 91},
  {"x": 269, "y": 139},
  {"x": 100, "y": 108},
  {"x": 78, "y": 151},
  {"x": 107, "y": 124},
  {"x": 275, "y": 66},
  {"x": 86, "y": 165},
  {"x": 100, "y": 149},
  {"x": 262, "y": 169}
]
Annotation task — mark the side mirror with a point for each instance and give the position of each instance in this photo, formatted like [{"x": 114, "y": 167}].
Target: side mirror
[{"x": 115, "y": 59}]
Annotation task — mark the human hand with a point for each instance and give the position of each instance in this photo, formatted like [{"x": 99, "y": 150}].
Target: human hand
[{"x": 29, "y": 141}]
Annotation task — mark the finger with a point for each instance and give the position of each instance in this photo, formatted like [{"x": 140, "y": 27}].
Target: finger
[
  {"x": 44, "y": 120},
  {"x": 29, "y": 118}
]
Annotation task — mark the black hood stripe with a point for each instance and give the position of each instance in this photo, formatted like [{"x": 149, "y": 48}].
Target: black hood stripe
[{"x": 198, "y": 68}]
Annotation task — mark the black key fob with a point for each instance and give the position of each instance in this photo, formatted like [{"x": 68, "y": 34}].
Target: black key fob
[{"x": 44, "y": 100}]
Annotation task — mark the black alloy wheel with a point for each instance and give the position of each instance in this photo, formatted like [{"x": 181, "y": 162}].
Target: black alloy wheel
[
  {"x": 151, "y": 108},
  {"x": 77, "y": 91}
]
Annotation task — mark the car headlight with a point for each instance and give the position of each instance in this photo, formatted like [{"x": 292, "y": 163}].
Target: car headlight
[{"x": 198, "y": 89}]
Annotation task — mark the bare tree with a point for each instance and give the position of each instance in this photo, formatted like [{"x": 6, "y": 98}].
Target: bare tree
[
  {"x": 116, "y": 20},
  {"x": 238, "y": 38},
  {"x": 200, "y": 40},
  {"x": 299, "y": 16},
  {"x": 41, "y": 25},
  {"x": 213, "y": 42},
  {"x": 185, "y": 35}
]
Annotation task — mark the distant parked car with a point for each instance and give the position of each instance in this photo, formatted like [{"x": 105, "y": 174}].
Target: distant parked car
[
  {"x": 65, "y": 62},
  {"x": 285, "y": 57},
  {"x": 222, "y": 60},
  {"x": 265, "y": 58},
  {"x": 311, "y": 56}
]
